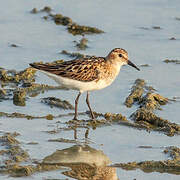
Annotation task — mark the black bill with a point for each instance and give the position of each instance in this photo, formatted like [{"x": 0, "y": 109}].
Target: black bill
[{"x": 133, "y": 65}]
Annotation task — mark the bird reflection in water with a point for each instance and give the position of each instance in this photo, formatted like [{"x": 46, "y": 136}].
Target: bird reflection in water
[{"x": 85, "y": 163}]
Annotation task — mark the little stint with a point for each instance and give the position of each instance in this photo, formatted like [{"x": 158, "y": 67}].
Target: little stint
[{"x": 87, "y": 74}]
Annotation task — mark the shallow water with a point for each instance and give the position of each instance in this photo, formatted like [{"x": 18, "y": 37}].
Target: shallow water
[{"x": 122, "y": 22}]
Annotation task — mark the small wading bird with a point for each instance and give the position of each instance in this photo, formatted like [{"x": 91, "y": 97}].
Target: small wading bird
[{"x": 87, "y": 74}]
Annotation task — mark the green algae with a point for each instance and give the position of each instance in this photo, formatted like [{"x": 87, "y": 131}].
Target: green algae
[
  {"x": 171, "y": 166},
  {"x": 56, "y": 62},
  {"x": 55, "y": 102},
  {"x": 136, "y": 93},
  {"x": 19, "y": 97},
  {"x": 152, "y": 101},
  {"x": 153, "y": 122},
  {"x": 144, "y": 116},
  {"x": 62, "y": 140},
  {"x": 9, "y": 139},
  {"x": 34, "y": 11},
  {"x": 82, "y": 45},
  {"x": 13, "y": 155},
  {"x": 35, "y": 89},
  {"x": 72, "y": 26},
  {"x": 30, "y": 117},
  {"x": 49, "y": 117},
  {"x": 156, "y": 27},
  {"x": 32, "y": 143},
  {"x": 21, "y": 115},
  {"x": 111, "y": 117},
  {"x": 13, "y": 76},
  {"x": 76, "y": 54},
  {"x": 17, "y": 86},
  {"x": 14, "y": 45},
  {"x": 59, "y": 19},
  {"x": 101, "y": 120},
  {"x": 20, "y": 171},
  {"x": 172, "y": 61},
  {"x": 46, "y": 9},
  {"x": 5, "y": 94},
  {"x": 172, "y": 38},
  {"x": 76, "y": 29},
  {"x": 145, "y": 65}
]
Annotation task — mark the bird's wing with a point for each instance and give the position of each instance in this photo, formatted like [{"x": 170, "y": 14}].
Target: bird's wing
[{"x": 81, "y": 69}]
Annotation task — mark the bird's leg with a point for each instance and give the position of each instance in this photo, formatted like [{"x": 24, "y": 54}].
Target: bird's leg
[
  {"x": 87, "y": 101},
  {"x": 76, "y": 104},
  {"x": 75, "y": 133}
]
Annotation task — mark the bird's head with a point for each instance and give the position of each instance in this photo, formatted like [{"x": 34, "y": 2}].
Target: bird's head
[{"x": 121, "y": 56}]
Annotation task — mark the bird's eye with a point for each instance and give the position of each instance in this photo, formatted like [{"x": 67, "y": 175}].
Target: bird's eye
[{"x": 120, "y": 55}]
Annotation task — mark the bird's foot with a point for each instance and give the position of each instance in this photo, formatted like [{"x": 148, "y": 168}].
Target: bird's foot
[{"x": 75, "y": 118}]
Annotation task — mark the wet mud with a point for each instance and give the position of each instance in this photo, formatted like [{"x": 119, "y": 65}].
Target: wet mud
[
  {"x": 14, "y": 45},
  {"x": 82, "y": 44},
  {"x": 55, "y": 102},
  {"x": 13, "y": 155},
  {"x": 12, "y": 76},
  {"x": 79, "y": 161},
  {"x": 151, "y": 28},
  {"x": 136, "y": 93},
  {"x": 172, "y": 38},
  {"x": 145, "y": 65},
  {"x": 72, "y": 27},
  {"x": 75, "y": 55},
  {"x": 175, "y": 61},
  {"x": 17, "y": 86},
  {"x": 148, "y": 101},
  {"x": 171, "y": 166}
]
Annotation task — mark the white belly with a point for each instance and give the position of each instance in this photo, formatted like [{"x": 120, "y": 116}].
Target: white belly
[{"x": 79, "y": 85}]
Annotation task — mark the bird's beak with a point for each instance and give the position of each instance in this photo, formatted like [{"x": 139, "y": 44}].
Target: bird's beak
[{"x": 133, "y": 65}]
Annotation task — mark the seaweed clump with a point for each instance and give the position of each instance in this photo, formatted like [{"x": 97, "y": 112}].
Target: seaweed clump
[
  {"x": 13, "y": 76},
  {"x": 45, "y": 9},
  {"x": 13, "y": 155},
  {"x": 152, "y": 122},
  {"x": 136, "y": 92},
  {"x": 59, "y": 19},
  {"x": 72, "y": 26},
  {"x": 75, "y": 55},
  {"x": 82, "y": 45},
  {"x": 17, "y": 85},
  {"x": 19, "y": 98},
  {"x": 77, "y": 29},
  {"x": 171, "y": 166},
  {"x": 55, "y": 102},
  {"x": 148, "y": 102},
  {"x": 172, "y": 61}
]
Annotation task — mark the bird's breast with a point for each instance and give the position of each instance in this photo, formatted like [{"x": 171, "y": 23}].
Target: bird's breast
[{"x": 109, "y": 73}]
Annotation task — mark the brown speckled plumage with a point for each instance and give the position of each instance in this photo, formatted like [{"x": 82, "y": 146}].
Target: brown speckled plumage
[
  {"x": 87, "y": 74},
  {"x": 84, "y": 70},
  {"x": 83, "y": 171}
]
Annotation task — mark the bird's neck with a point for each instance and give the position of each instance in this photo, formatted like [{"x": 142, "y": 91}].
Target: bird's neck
[
  {"x": 114, "y": 62},
  {"x": 115, "y": 67}
]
